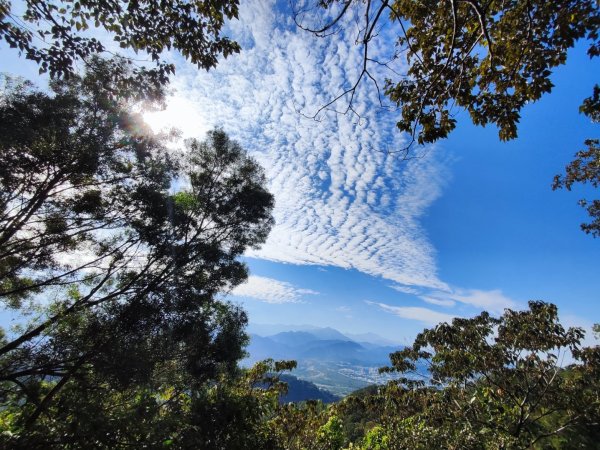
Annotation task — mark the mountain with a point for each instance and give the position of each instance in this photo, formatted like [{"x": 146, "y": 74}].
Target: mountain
[
  {"x": 302, "y": 345},
  {"x": 371, "y": 339},
  {"x": 329, "y": 334},
  {"x": 263, "y": 347},
  {"x": 302, "y": 390},
  {"x": 294, "y": 338},
  {"x": 263, "y": 329},
  {"x": 326, "y": 357},
  {"x": 332, "y": 350}
]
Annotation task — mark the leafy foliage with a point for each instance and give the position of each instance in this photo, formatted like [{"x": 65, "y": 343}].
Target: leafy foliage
[
  {"x": 117, "y": 268},
  {"x": 492, "y": 383},
  {"x": 500, "y": 383},
  {"x": 585, "y": 168},
  {"x": 170, "y": 411},
  {"x": 308, "y": 425},
  {"x": 488, "y": 57},
  {"x": 148, "y": 26}
]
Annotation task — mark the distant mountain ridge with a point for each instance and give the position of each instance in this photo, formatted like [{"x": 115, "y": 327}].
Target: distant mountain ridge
[
  {"x": 372, "y": 339},
  {"x": 321, "y": 332},
  {"x": 326, "y": 357},
  {"x": 301, "y": 345}
]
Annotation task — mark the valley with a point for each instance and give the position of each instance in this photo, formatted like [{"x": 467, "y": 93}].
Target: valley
[{"x": 331, "y": 360}]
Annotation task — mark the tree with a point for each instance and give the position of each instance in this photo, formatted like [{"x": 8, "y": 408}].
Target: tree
[
  {"x": 490, "y": 383},
  {"x": 115, "y": 246},
  {"x": 307, "y": 425},
  {"x": 586, "y": 166},
  {"x": 496, "y": 383},
  {"x": 488, "y": 57},
  {"x": 170, "y": 411},
  {"x": 53, "y": 34}
]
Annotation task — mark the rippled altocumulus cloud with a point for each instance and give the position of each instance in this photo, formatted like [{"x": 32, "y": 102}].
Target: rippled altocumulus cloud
[{"x": 341, "y": 198}]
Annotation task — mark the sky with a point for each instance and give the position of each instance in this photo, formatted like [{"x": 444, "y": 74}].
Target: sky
[{"x": 366, "y": 241}]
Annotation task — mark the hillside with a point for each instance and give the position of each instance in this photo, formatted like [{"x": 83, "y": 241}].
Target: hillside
[
  {"x": 329, "y": 359},
  {"x": 302, "y": 390}
]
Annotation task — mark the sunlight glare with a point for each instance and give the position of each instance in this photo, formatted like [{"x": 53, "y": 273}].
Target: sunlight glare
[{"x": 182, "y": 114}]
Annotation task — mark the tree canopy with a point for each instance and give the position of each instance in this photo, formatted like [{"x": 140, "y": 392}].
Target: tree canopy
[
  {"x": 498, "y": 382},
  {"x": 585, "y": 168},
  {"x": 521, "y": 380},
  {"x": 170, "y": 410},
  {"x": 488, "y": 57},
  {"x": 55, "y": 34},
  {"x": 113, "y": 247}
]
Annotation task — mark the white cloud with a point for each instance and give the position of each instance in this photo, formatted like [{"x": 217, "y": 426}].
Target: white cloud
[
  {"x": 425, "y": 315},
  {"x": 271, "y": 291},
  {"x": 341, "y": 198},
  {"x": 437, "y": 301},
  {"x": 405, "y": 289},
  {"x": 493, "y": 301}
]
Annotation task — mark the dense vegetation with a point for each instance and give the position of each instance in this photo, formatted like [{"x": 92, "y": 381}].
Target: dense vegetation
[
  {"x": 114, "y": 248},
  {"x": 53, "y": 34},
  {"x": 491, "y": 383}
]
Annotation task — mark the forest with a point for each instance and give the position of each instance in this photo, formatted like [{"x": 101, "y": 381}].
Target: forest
[{"x": 118, "y": 242}]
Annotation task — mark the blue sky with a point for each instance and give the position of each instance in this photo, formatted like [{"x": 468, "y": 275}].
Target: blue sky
[{"x": 367, "y": 242}]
